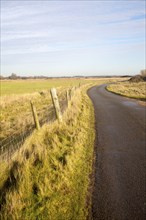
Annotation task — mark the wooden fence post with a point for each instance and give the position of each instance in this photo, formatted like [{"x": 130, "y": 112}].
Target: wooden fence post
[
  {"x": 35, "y": 116},
  {"x": 56, "y": 104}
]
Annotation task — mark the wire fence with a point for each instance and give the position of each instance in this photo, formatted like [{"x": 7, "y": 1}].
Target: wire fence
[{"x": 12, "y": 144}]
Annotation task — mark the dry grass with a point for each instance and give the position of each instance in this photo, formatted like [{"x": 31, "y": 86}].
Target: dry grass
[
  {"x": 49, "y": 179},
  {"x": 15, "y": 112},
  {"x": 128, "y": 89},
  {"x": 15, "y": 109}
]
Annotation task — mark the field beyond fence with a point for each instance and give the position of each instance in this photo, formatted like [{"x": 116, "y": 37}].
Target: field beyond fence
[{"x": 9, "y": 145}]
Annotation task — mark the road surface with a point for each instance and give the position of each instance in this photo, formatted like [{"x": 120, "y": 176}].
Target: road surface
[{"x": 119, "y": 188}]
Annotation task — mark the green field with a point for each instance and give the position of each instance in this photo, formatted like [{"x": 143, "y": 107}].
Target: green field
[
  {"x": 16, "y": 115},
  {"x": 15, "y": 110},
  {"x": 9, "y": 87}
]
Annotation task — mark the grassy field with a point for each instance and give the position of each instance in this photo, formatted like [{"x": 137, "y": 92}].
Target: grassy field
[
  {"x": 9, "y": 87},
  {"x": 128, "y": 89},
  {"x": 16, "y": 114},
  {"x": 15, "y": 109},
  {"x": 17, "y": 87},
  {"x": 50, "y": 177}
]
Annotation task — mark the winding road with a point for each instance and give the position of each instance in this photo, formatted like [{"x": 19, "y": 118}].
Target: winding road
[{"x": 119, "y": 187}]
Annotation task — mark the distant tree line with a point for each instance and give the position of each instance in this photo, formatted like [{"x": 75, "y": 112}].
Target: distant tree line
[{"x": 13, "y": 76}]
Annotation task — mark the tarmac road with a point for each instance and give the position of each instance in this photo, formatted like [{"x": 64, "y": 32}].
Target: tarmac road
[{"x": 119, "y": 187}]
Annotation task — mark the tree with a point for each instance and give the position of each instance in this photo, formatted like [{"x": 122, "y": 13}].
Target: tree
[{"x": 13, "y": 76}]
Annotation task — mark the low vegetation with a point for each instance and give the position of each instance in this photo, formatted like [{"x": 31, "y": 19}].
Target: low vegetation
[
  {"x": 49, "y": 179},
  {"x": 9, "y": 87},
  {"x": 15, "y": 109},
  {"x": 16, "y": 114},
  {"x": 130, "y": 89}
]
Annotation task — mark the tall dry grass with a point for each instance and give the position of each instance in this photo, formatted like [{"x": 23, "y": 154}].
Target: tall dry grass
[
  {"x": 128, "y": 89},
  {"x": 49, "y": 179},
  {"x": 15, "y": 111}
]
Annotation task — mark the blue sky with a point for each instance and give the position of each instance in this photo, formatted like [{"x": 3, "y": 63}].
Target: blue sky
[{"x": 56, "y": 38}]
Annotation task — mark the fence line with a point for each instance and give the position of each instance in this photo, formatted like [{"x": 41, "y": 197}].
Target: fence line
[{"x": 13, "y": 143}]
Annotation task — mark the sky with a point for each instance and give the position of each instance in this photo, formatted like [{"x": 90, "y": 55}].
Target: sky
[{"x": 57, "y": 38}]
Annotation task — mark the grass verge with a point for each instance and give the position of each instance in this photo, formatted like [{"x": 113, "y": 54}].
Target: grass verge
[
  {"x": 128, "y": 89},
  {"x": 49, "y": 179}
]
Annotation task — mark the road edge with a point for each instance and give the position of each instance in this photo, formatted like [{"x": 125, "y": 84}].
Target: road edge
[{"x": 93, "y": 173}]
